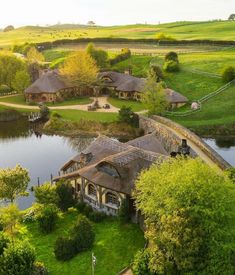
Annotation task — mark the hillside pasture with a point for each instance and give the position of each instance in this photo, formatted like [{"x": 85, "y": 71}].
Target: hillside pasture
[{"x": 209, "y": 30}]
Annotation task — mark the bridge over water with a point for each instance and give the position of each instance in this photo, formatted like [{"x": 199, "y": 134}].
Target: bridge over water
[{"x": 171, "y": 134}]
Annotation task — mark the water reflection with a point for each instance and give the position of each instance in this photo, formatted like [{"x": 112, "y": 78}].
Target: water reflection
[
  {"x": 42, "y": 155},
  {"x": 225, "y": 146}
]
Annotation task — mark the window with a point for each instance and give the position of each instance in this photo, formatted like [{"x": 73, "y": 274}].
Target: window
[
  {"x": 91, "y": 190},
  {"x": 108, "y": 169},
  {"x": 112, "y": 199}
]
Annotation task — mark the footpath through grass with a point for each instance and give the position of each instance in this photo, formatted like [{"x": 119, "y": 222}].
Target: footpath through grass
[{"x": 114, "y": 248}]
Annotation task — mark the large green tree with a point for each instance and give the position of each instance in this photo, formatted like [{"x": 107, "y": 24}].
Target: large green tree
[
  {"x": 9, "y": 67},
  {"x": 99, "y": 55},
  {"x": 79, "y": 70},
  {"x": 153, "y": 96},
  {"x": 189, "y": 214},
  {"x": 21, "y": 81},
  {"x": 13, "y": 182}
]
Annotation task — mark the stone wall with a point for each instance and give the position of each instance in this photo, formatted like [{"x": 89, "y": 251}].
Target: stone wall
[{"x": 171, "y": 141}]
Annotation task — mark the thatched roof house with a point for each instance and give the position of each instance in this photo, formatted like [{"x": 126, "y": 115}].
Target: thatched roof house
[
  {"x": 127, "y": 86},
  {"x": 51, "y": 87},
  {"x": 106, "y": 171}
]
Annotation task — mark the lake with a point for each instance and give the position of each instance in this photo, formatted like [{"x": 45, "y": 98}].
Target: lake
[{"x": 43, "y": 155}]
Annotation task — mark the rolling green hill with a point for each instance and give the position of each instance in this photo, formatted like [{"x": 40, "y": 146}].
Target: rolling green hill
[{"x": 212, "y": 30}]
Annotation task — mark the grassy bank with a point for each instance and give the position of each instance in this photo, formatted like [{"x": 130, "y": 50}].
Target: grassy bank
[
  {"x": 114, "y": 248},
  {"x": 83, "y": 126}
]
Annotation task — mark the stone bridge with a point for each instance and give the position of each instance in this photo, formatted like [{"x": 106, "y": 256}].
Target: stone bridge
[{"x": 171, "y": 135}]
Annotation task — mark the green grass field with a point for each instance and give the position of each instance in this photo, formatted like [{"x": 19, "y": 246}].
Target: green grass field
[
  {"x": 19, "y": 99},
  {"x": 212, "y": 30},
  {"x": 114, "y": 248},
  {"x": 135, "y": 106},
  {"x": 76, "y": 115}
]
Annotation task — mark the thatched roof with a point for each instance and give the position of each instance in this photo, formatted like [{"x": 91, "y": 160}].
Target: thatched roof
[
  {"x": 48, "y": 82},
  {"x": 123, "y": 82},
  {"x": 128, "y": 83},
  {"x": 128, "y": 159},
  {"x": 175, "y": 97}
]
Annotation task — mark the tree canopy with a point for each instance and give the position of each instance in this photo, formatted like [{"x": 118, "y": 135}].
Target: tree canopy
[
  {"x": 10, "y": 66},
  {"x": 79, "y": 69},
  {"x": 13, "y": 182},
  {"x": 33, "y": 55},
  {"x": 189, "y": 214},
  {"x": 153, "y": 96},
  {"x": 99, "y": 55}
]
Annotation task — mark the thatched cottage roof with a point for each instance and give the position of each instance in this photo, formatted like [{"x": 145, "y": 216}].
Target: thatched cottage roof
[
  {"x": 128, "y": 159},
  {"x": 175, "y": 97},
  {"x": 128, "y": 83},
  {"x": 123, "y": 82},
  {"x": 48, "y": 82}
]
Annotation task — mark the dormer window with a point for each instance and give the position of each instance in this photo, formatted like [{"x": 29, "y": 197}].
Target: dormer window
[
  {"x": 107, "y": 79},
  {"x": 108, "y": 169}
]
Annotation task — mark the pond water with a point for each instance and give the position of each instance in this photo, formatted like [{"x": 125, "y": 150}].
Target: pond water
[
  {"x": 42, "y": 155},
  {"x": 225, "y": 146}
]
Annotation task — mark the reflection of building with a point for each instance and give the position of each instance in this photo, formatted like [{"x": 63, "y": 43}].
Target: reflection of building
[
  {"x": 104, "y": 174},
  {"x": 49, "y": 87},
  {"x": 126, "y": 86}
]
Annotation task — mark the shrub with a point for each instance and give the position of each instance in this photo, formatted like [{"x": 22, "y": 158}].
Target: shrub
[
  {"x": 80, "y": 206},
  {"x": 1, "y": 224},
  {"x": 4, "y": 241},
  {"x": 87, "y": 210},
  {"x": 18, "y": 259},
  {"x": 171, "y": 66},
  {"x": 4, "y": 89},
  {"x": 140, "y": 264},
  {"x": 125, "y": 54},
  {"x": 39, "y": 269},
  {"x": 228, "y": 74},
  {"x": 126, "y": 115},
  {"x": 65, "y": 192},
  {"x": 83, "y": 234},
  {"x": 47, "y": 218},
  {"x": 123, "y": 212},
  {"x": 165, "y": 37},
  {"x": 46, "y": 194},
  {"x": 56, "y": 115},
  {"x": 156, "y": 71},
  {"x": 172, "y": 56},
  {"x": 97, "y": 216},
  {"x": 64, "y": 248}
]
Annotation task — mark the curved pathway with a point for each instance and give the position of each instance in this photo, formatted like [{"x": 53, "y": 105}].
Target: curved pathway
[{"x": 102, "y": 101}]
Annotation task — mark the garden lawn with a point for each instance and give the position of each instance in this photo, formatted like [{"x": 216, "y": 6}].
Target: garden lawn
[
  {"x": 135, "y": 105},
  {"x": 114, "y": 248},
  {"x": 19, "y": 99},
  {"x": 16, "y": 99},
  {"x": 76, "y": 115}
]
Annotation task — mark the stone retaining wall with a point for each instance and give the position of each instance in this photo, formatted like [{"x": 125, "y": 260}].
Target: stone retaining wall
[{"x": 171, "y": 141}]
